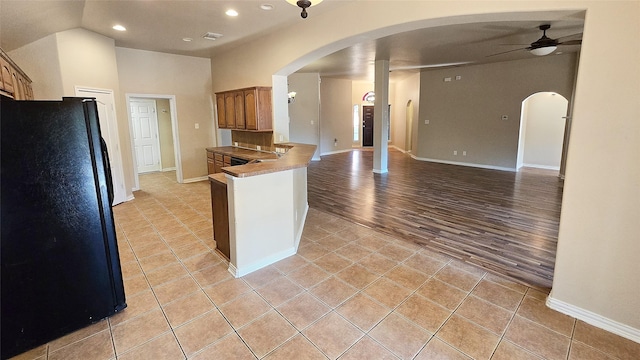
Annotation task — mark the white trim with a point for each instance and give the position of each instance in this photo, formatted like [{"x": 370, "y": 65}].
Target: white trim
[
  {"x": 236, "y": 272},
  {"x": 192, "y": 180},
  {"x": 169, "y": 169},
  {"x": 547, "y": 167},
  {"x": 174, "y": 130},
  {"x": 594, "y": 319},
  {"x": 336, "y": 152},
  {"x": 301, "y": 230},
  {"x": 482, "y": 166},
  {"x": 397, "y": 148}
]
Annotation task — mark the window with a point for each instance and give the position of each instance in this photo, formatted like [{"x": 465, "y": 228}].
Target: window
[{"x": 356, "y": 123}]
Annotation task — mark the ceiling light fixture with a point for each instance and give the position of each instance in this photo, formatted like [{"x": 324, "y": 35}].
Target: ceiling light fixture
[
  {"x": 119, "y": 28},
  {"x": 187, "y": 39},
  {"x": 211, "y": 36},
  {"x": 543, "y": 50},
  {"x": 231, "y": 13},
  {"x": 266, "y": 7},
  {"x": 304, "y": 4}
]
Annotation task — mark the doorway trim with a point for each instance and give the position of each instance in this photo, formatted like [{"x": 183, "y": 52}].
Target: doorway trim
[
  {"x": 174, "y": 130},
  {"x": 112, "y": 126}
]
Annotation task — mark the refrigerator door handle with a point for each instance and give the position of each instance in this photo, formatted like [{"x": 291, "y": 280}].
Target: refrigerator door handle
[{"x": 107, "y": 169}]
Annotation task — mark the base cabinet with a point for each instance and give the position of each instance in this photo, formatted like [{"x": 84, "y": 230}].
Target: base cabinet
[{"x": 220, "y": 212}]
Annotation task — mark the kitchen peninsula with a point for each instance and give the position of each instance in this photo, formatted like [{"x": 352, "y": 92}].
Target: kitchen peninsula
[{"x": 266, "y": 205}]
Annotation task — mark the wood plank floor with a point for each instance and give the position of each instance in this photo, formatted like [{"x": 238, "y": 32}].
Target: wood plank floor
[{"x": 504, "y": 222}]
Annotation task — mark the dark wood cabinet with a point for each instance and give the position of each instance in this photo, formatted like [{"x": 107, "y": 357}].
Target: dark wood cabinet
[
  {"x": 220, "y": 213},
  {"x": 246, "y": 109}
]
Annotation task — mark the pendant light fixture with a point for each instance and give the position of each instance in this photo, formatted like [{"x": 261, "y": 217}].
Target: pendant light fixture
[{"x": 304, "y": 4}]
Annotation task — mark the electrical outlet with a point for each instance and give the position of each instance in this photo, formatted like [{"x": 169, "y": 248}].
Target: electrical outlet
[
  {"x": 197, "y": 126},
  {"x": 464, "y": 153},
  {"x": 447, "y": 79},
  {"x": 258, "y": 147},
  {"x": 458, "y": 77},
  {"x": 426, "y": 122},
  {"x": 235, "y": 143},
  {"x": 455, "y": 152}
]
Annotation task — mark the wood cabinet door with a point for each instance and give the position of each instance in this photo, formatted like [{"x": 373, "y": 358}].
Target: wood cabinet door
[
  {"x": 211, "y": 166},
  {"x": 250, "y": 115},
  {"x": 222, "y": 122},
  {"x": 239, "y": 103},
  {"x": 230, "y": 110},
  {"x": 7, "y": 78}
]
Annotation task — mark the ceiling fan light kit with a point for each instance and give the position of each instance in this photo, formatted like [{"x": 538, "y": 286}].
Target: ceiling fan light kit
[
  {"x": 543, "y": 50},
  {"x": 304, "y": 4}
]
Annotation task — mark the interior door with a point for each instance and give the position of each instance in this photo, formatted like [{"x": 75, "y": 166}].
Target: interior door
[
  {"x": 367, "y": 126},
  {"x": 145, "y": 135},
  {"x": 109, "y": 131}
]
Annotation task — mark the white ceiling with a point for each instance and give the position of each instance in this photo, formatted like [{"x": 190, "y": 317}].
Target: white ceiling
[{"x": 161, "y": 26}]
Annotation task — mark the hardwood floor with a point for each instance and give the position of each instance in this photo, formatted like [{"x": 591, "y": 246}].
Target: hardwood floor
[{"x": 504, "y": 222}]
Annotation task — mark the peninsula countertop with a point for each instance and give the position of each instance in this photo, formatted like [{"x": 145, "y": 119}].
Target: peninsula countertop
[{"x": 299, "y": 155}]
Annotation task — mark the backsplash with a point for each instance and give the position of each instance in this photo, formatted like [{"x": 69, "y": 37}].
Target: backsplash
[{"x": 251, "y": 140}]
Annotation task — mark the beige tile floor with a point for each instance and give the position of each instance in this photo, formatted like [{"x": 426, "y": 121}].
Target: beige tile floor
[{"x": 349, "y": 293}]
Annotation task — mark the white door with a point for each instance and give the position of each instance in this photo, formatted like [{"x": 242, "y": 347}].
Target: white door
[
  {"x": 145, "y": 135},
  {"x": 109, "y": 131}
]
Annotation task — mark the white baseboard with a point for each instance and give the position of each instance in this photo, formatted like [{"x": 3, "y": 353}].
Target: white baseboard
[
  {"x": 169, "y": 169},
  {"x": 192, "y": 180},
  {"x": 397, "y": 148},
  {"x": 546, "y": 167},
  {"x": 482, "y": 166},
  {"x": 594, "y": 319},
  {"x": 239, "y": 272},
  {"x": 336, "y": 152}
]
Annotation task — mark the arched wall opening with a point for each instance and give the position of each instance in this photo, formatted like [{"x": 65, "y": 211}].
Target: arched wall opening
[{"x": 542, "y": 127}]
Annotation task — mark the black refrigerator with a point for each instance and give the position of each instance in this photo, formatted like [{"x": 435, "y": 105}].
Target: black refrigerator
[{"x": 60, "y": 266}]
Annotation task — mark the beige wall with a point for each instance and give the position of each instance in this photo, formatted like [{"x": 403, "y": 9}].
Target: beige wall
[
  {"x": 597, "y": 263},
  {"x": 542, "y": 130},
  {"x": 304, "y": 112},
  {"x": 189, "y": 80},
  {"x": 40, "y": 61},
  {"x": 335, "y": 115},
  {"x": 165, "y": 134},
  {"x": 405, "y": 90},
  {"x": 465, "y": 114}
]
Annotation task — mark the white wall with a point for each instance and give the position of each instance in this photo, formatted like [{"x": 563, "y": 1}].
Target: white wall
[{"x": 543, "y": 122}]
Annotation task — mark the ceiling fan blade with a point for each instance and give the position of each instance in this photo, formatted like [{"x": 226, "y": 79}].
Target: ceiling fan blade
[
  {"x": 506, "y": 52},
  {"x": 578, "y": 35},
  {"x": 571, "y": 42}
]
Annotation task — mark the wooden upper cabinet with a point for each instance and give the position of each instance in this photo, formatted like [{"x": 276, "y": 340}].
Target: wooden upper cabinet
[
  {"x": 222, "y": 122},
  {"x": 257, "y": 105},
  {"x": 239, "y": 103},
  {"x": 245, "y": 109},
  {"x": 230, "y": 110},
  {"x": 13, "y": 81}
]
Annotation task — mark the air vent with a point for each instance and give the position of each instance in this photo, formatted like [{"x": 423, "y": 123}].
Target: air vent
[{"x": 211, "y": 36}]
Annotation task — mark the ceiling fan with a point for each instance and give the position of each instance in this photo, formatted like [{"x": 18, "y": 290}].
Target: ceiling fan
[{"x": 545, "y": 45}]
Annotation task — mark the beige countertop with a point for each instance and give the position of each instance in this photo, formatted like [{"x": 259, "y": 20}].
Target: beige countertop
[{"x": 299, "y": 155}]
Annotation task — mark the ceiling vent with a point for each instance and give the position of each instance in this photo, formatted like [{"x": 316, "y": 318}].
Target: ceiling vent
[{"x": 211, "y": 35}]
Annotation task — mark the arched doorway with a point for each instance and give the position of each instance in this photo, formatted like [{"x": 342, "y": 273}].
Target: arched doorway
[
  {"x": 542, "y": 131},
  {"x": 409, "y": 126}
]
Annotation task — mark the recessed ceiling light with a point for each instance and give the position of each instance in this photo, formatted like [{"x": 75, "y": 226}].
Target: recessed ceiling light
[
  {"x": 187, "y": 39},
  {"x": 231, "y": 12},
  {"x": 266, "y": 7},
  {"x": 119, "y": 28}
]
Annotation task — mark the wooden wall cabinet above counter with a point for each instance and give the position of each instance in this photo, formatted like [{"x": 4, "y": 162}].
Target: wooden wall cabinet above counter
[
  {"x": 246, "y": 109},
  {"x": 14, "y": 82}
]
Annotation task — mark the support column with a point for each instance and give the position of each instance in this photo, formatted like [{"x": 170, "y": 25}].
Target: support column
[{"x": 381, "y": 118}]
